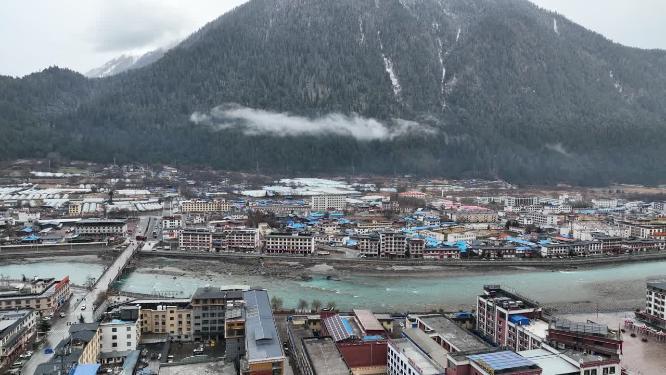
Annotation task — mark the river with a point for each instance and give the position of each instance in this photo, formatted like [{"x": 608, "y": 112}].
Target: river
[{"x": 610, "y": 288}]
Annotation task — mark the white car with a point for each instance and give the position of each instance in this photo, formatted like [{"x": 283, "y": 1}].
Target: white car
[{"x": 83, "y": 307}]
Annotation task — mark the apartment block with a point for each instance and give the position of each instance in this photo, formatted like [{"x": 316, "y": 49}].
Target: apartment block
[
  {"x": 17, "y": 329},
  {"x": 44, "y": 295},
  {"x": 509, "y": 320},
  {"x": 195, "y": 239},
  {"x": 289, "y": 243},
  {"x": 328, "y": 202},
  {"x": 204, "y": 206}
]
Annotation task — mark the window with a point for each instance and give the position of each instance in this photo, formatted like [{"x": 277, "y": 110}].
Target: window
[
  {"x": 114, "y": 337},
  {"x": 114, "y": 345},
  {"x": 129, "y": 336},
  {"x": 129, "y": 329},
  {"x": 114, "y": 329},
  {"x": 129, "y": 344}
]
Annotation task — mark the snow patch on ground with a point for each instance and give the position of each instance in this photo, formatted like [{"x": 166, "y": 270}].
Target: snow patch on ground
[
  {"x": 458, "y": 34},
  {"x": 441, "y": 64},
  {"x": 388, "y": 65},
  {"x": 556, "y": 29},
  {"x": 616, "y": 82},
  {"x": 360, "y": 27}
]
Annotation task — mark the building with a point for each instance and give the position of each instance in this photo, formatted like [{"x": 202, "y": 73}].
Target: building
[
  {"x": 122, "y": 333},
  {"x": 509, "y": 320},
  {"x": 462, "y": 236},
  {"x": 86, "y": 339},
  {"x": 17, "y": 330},
  {"x": 44, "y": 295},
  {"x": 474, "y": 216},
  {"x": 644, "y": 229},
  {"x": 195, "y": 239},
  {"x": 328, "y": 202},
  {"x": 101, "y": 228},
  {"x": 446, "y": 333},
  {"x": 263, "y": 346},
  {"x": 208, "y": 311},
  {"x": 169, "y": 318},
  {"x": 406, "y": 358},
  {"x": 289, "y": 243},
  {"x": 554, "y": 362},
  {"x": 392, "y": 244},
  {"x": 74, "y": 208},
  {"x": 201, "y": 206},
  {"x": 655, "y": 305},
  {"x": 240, "y": 239},
  {"x": 505, "y": 363},
  {"x": 172, "y": 222},
  {"x": 441, "y": 253},
  {"x": 368, "y": 245},
  {"x": 587, "y": 337}
]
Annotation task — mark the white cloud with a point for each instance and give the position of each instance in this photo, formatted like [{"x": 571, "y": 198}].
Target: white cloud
[{"x": 260, "y": 122}]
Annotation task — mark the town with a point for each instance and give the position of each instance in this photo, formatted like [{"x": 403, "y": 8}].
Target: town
[{"x": 134, "y": 215}]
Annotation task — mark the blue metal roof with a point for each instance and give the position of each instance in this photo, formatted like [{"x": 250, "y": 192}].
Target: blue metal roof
[
  {"x": 501, "y": 360},
  {"x": 86, "y": 369}
]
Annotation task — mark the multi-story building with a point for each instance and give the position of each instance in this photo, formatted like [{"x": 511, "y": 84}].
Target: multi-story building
[
  {"x": 644, "y": 229},
  {"x": 43, "y": 295},
  {"x": 243, "y": 239},
  {"x": 474, "y": 216},
  {"x": 208, "y": 311},
  {"x": 462, "y": 236},
  {"x": 171, "y": 318},
  {"x": 509, "y": 320},
  {"x": 86, "y": 338},
  {"x": 101, "y": 228},
  {"x": 74, "y": 208},
  {"x": 406, "y": 358},
  {"x": 215, "y": 205},
  {"x": 263, "y": 346},
  {"x": 17, "y": 329},
  {"x": 172, "y": 222},
  {"x": 392, "y": 244},
  {"x": 372, "y": 226},
  {"x": 655, "y": 304},
  {"x": 122, "y": 333},
  {"x": 195, "y": 239},
  {"x": 368, "y": 245},
  {"x": 587, "y": 337},
  {"x": 289, "y": 243},
  {"x": 328, "y": 202}
]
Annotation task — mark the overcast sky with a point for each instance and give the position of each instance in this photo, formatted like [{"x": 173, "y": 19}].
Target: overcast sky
[{"x": 84, "y": 34}]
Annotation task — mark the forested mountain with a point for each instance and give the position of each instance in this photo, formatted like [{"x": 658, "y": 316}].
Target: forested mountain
[
  {"x": 124, "y": 63},
  {"x": 489, "y": 88}
]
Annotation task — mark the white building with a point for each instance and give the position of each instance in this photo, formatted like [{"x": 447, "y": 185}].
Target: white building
[
  {"x": 172, "y": 222},
  {"x": 328, "y": 202},
  {"x": 119, "y": 335},
  {"x": 605, "y": 203},
  {"x": 655, "y": 300},
  {"x": 405, "y": 358},
  {"x": 464, "y": 236},
  {"x": 289, "y": 243}
]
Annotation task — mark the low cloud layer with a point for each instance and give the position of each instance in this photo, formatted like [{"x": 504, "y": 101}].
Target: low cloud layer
[{"x": 261, "y": 122}]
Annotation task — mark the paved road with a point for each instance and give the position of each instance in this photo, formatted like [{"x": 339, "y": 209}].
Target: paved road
[{"x": 73, "y": 311}]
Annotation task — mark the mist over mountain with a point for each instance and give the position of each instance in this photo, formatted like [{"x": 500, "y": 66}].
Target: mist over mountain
[{"x": 459, "y": 88}]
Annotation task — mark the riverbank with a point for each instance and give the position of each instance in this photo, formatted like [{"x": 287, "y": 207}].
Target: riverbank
[{"x": 606, "y": 289}]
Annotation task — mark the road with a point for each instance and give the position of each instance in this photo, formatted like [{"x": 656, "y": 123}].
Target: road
[{"x": 73, "y": 312}]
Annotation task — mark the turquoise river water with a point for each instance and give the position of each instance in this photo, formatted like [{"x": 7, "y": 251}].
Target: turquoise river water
[{"x": 380, "y": 293}]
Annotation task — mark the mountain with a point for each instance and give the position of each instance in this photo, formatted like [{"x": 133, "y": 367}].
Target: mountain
[
  {"x": 459, "y": 88},
  {"x": 124, "y": 63}
]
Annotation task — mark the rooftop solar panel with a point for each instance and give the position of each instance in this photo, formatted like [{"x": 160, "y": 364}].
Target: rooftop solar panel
[
  {"x": 501, "y": 360},
  {"x": 336, "y": 328}
]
